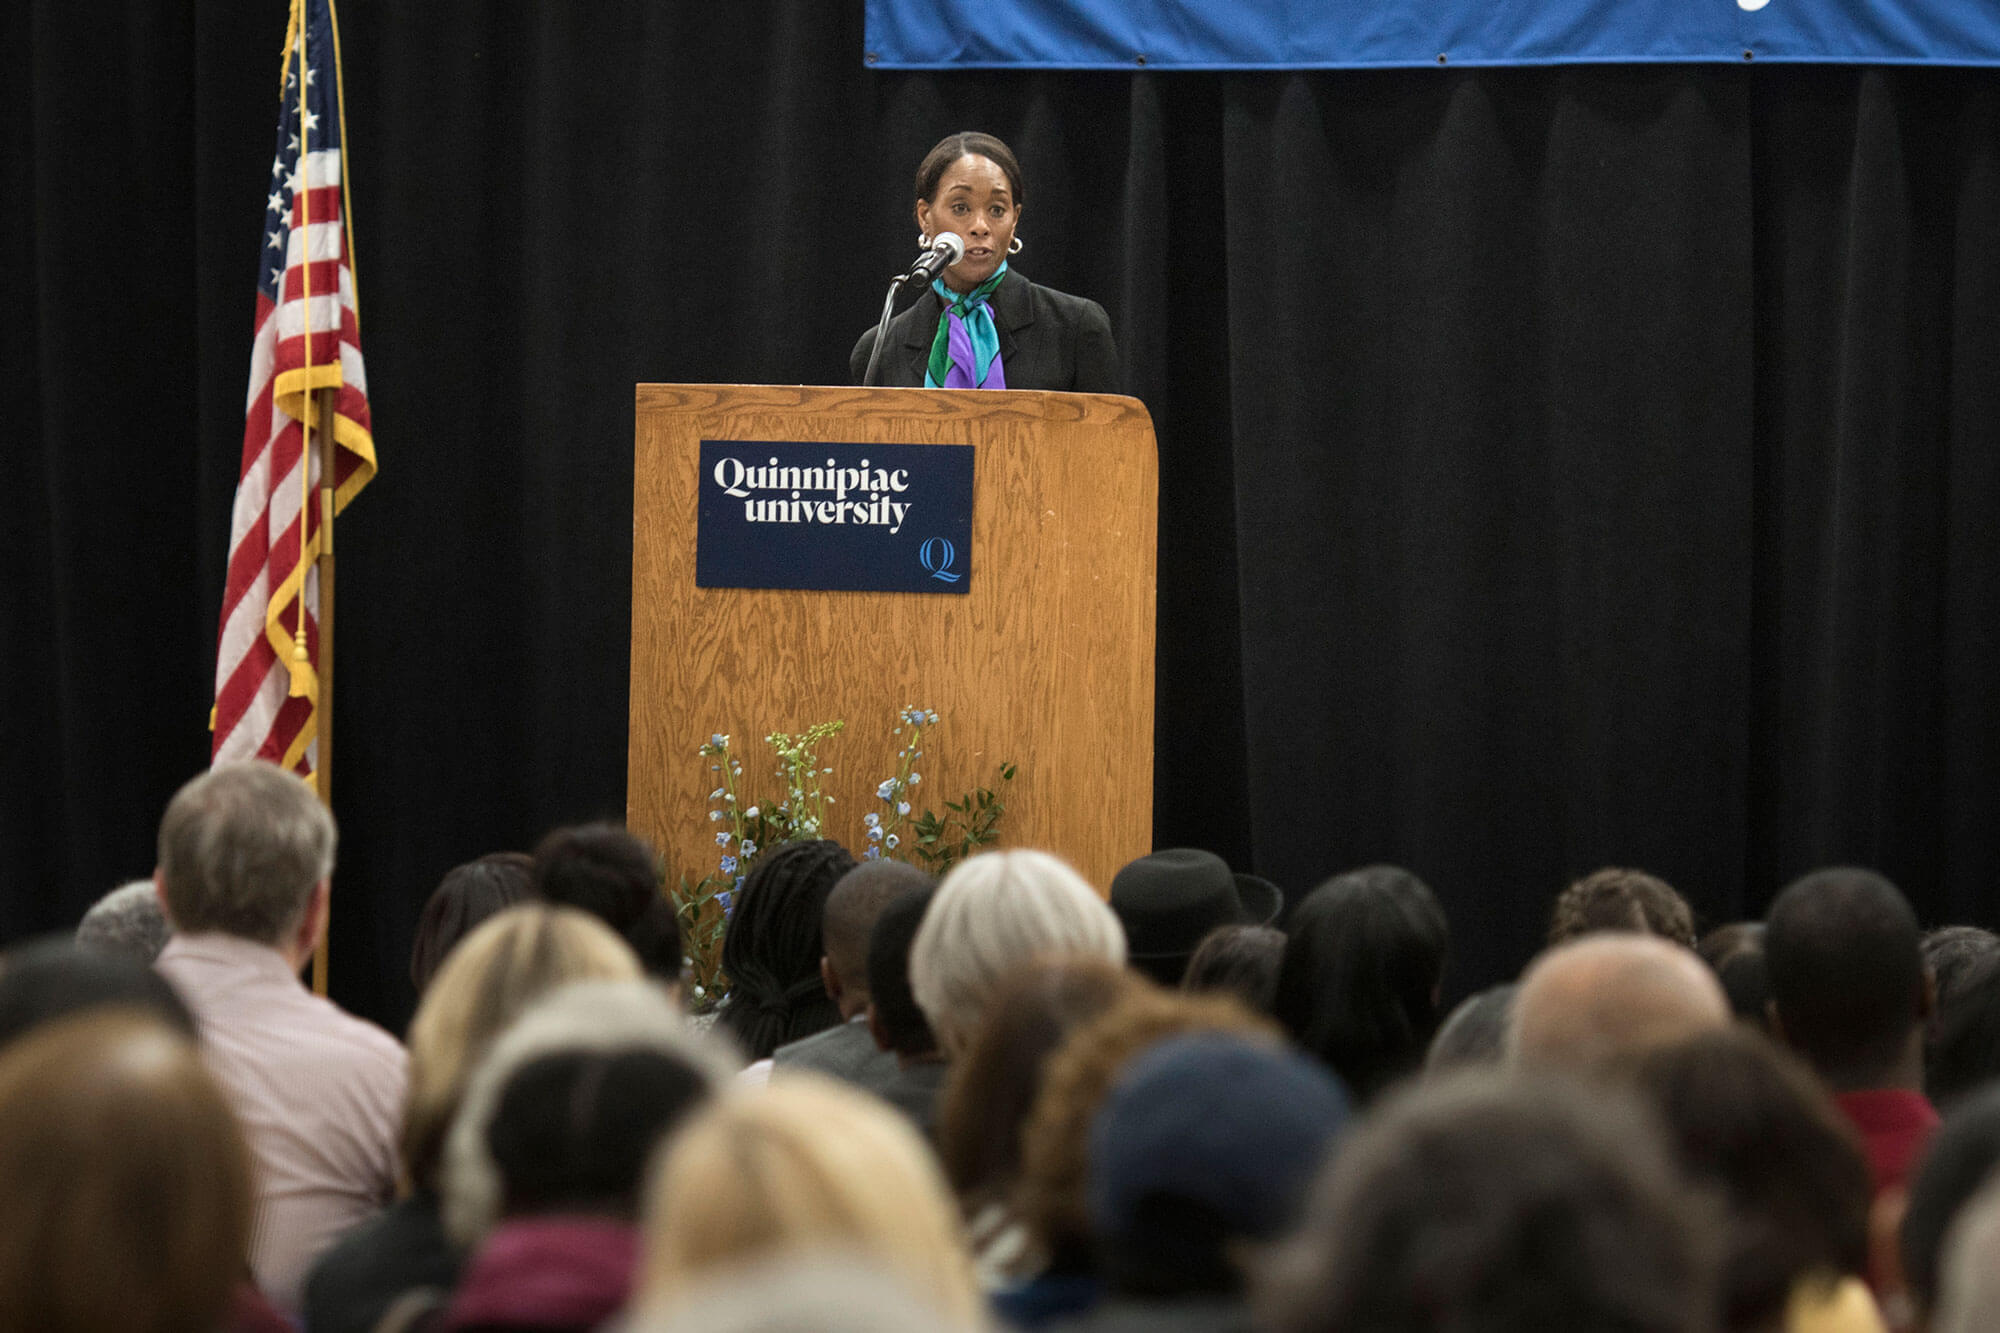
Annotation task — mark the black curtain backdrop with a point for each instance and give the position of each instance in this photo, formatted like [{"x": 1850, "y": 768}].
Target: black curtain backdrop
[{"x": 1559, "y": 467}]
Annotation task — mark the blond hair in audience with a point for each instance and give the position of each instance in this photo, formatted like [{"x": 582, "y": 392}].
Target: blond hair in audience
[
  {"x": 497, "y": 971},
  {"x": 992, "y": 913},
  {"x": 125, "y": 1190},
  {"x": 807, "y": 1165}
]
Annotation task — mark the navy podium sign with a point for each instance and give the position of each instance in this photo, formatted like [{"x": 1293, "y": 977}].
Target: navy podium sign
[{"x": 835, "y": 517}]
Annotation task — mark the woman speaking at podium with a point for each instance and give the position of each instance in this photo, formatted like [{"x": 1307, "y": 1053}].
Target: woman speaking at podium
[{"x": 982, "y": 324}]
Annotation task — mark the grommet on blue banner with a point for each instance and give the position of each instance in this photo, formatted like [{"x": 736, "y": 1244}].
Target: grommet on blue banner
[
  {"x": 1138, "y": 60},
  {"x": 1443, "y": 59},
  {"x": 1749, "y": 54}
]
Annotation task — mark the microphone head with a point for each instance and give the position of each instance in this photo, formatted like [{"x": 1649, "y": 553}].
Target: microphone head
[{"x": 951, "y": 243}]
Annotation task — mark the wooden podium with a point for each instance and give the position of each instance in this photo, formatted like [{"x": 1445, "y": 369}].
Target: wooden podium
[{"x": 1047, "y": 661}]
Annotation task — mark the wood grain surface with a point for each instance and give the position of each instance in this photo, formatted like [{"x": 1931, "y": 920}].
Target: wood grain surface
[{"x": 1046, "y": 662}]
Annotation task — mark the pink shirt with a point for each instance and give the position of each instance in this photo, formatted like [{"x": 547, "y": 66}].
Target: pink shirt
[{"x": 319, "y": 1092}]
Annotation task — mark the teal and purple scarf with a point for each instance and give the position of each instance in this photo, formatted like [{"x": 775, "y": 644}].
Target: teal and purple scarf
[{"x": 965, "y": 354}]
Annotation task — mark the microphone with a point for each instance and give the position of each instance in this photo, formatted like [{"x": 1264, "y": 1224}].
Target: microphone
[{"x": 946, "y": 249}]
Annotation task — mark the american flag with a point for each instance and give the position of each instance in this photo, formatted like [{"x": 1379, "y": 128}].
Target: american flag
[{"x": 265, "y": 701}]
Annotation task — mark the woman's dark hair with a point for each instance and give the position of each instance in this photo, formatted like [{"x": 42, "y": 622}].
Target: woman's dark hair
[
  {"x": 1358, "y": 986},
  {"x": 1735, "y": 953},
  {"x": 54, "y": 978},
  {"x": 966, "y": 143},
  {"x": 608, "y": 872},
  {"x": 466, "y": 896},
  {"x": 572, "y": 1130},
  {"x": 991, "y": 1090},
  {"x": 898, "y": 1017},
  {"x": 1962, "y": 1053},
  {"x": 1752, "y": 1122},
  {"x": 1956, "y": 1165},
  {"x": 772, "y": 951},
  {"x": 1240, "y": 961}
]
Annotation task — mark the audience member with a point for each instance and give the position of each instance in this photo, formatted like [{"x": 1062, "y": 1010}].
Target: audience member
[
  {"x": 246, "y": 862},
  {"x": 1957, "y": 1164},
  {"x": 1604, "y": 1000},
  {"x": 1955, "y": 956},
  {"x": 1202, "y": 1150},
  {"x": 992, "y": 1088},
  {"x": 1476, "y": 1032},
  {"x": 125, "y": 1185},
  {"x": 800, "y": 1293},
  {"x": 1062, "y": 1274},
  {"x": 773, "y": 950},
  {"x": 1359, "y": 986},
  {"x": 467, "y": 895},
  {"x": 1238, "y": 960},
  {"x": 895, "y": 1021},
  {"x": 1849, "y": 992},
  {"x": 1962, "y": 1048},
  {"x": 53, "y": 978},
  {"x": 805, "y": 1166},
  {"x": 1616, "y": 899},
  {"x": 608, "y": 872},
  {"x": 1751, "y": 1122},
  {"x": 1169, "y": 901},
  {"x": 502, "y": 967},
  {"x": 1735, "y": 953},
  {"x": 994, "y": 912},
  {"x": 847, "y": 1050},
  {"x": 1969, "y": 1283},
  {"x": 127, "y": 922},
  {"x": 1491, "y": 1203},
  {"x": 545, "y": 1161}
]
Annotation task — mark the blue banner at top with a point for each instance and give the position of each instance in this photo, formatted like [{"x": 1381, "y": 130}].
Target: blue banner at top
[{"x": 1337, "y": 34}]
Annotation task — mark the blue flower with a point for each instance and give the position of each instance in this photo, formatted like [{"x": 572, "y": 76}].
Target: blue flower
[
  {"x": 872, "y": 854},
  {"x": 892, "y": 840},
  {"x": 887, "y": 790},
  {"x": 749, "y": 847},
  {"x": 716, "y": 795},
  {"x": 902, "y": 807},
  {"x": 718, "y": 739},
  {"x": 874, "y": 832},
  {"x": 725, "y": 900},
  {"x": 714, "y": 815},
  {"x": 728, "y": 865},
  {"x": 871, "y": 819},
  {"x": 722, "y": 838},
  {"x": 915, "y": 778}
]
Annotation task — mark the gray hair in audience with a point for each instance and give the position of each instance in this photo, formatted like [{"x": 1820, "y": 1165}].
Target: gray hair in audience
[
  {"x": 794, "y": 1293},
  {"x": 126, "y": 922},
  {"x": 1970, "y": 1281},
  {"x": 1476, "y": 1032},
  {"x": 241, "y": 848},
  {"x": 1489, "y": 1201},
  {"x": 594, "y": 1016},
  {"x": 992, "y": 913}
]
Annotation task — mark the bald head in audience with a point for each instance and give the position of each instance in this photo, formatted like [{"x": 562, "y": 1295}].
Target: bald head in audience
[{"x": 1605, "y": 999}]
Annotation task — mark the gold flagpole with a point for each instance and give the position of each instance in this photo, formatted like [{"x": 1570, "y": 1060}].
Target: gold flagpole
[{"x": 323, "y": 714}]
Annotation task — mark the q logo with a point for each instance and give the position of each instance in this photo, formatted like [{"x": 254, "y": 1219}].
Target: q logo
[{"x": 936, "y": 555}]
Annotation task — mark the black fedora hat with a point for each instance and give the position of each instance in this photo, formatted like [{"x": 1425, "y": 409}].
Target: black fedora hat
[{"x": 1169, "y": 900}]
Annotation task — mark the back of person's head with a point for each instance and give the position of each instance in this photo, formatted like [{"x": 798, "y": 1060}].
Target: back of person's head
[
  {"x": 1962, "y": 1050},
  {"x": 1735, "y": 953},
  {"x": 1205, "y": 1143},
  {"x": 1951, "y": 952},
  {"x": 127, "y": 922},
  {"x": 1753, "y": 1123},
  {"x": 1238, "y": 960},
  {"x": 1476, "y": 1032},
  {"x": 1359, "y": 983},
  {"x": 1969, "y": 1276},
  {"x": 834, "y": 1292},
  {"x": 488, "y": 981},
  {"x": 852, "y": 906},
  {"x": 241, "y": 849},
  {"x": 573, "y": 1096},
  {"x": 773, "y": 949},
  {"x": 1956, "y": 1165},
  {"x": 49, "y": 979},
  {"x": 1847, "y": 973},
  {"x": 1052, "y": 1197},
  {"x": 1604, "y": 1000},
  {"x": 804, "y": 1165},
  {"x": 993, "y": 1086},
  {"x": 895, "y": 1018},
  {"x": 1618, "y": 899},
  {"x": 992, "y": 913},
  {"x": 467, "y": 895},
  {"x": 1488, "y": 1203},
  {"x": 125, "y": 1183},
  {"x": 609, "y": 872}
]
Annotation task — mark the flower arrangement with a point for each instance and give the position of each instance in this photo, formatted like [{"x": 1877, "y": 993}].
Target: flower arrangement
[{"x": 744, "y": 828}]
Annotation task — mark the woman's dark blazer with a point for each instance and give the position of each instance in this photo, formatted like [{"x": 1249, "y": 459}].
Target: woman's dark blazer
[{"x": 1048, "y": 340}]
